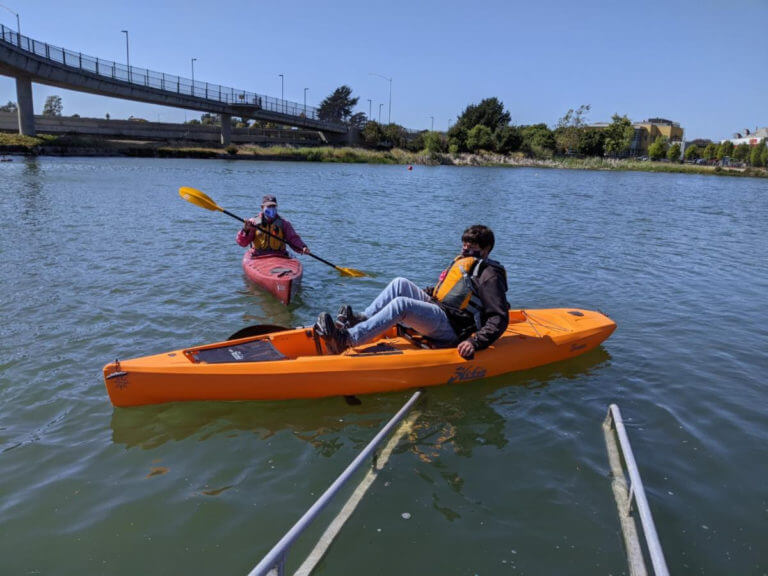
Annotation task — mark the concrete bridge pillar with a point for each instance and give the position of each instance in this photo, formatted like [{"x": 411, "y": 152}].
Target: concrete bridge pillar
[
  {"x": 226, "y": 129},
  {"x": 25, "y": 106}
]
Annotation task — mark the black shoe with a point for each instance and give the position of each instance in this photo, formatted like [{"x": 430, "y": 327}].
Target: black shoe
[
  {"x": 347, "y": 318},
  {"x": 336, "y": 339}
]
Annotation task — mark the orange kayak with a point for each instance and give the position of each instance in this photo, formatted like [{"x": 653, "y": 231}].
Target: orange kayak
[{"x": 295, "y": 363}]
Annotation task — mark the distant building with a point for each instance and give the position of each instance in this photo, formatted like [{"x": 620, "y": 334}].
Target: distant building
[
  {"x": 747, "y": 137},
  {"x": 646, "y": 133}
]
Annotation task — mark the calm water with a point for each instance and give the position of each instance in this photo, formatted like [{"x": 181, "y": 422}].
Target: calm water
[{"x": 101, "y": 258}]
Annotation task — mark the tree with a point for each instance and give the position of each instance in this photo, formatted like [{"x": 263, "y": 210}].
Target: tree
[
  {"x": 741, "y": 152},
  {"x": 457, "y": 139},
  {"x": 480, "y": 138},
  {"x": 618, "y": 136},
  {"x": 372, "y": 134},
  {"x": 725, "y": 149},
  {"x": 394, "y": 135},
  {"x": 10, "y": 107},
  {"x": 756, "y": 154},
  {"x": 358, "y": 120},
  {"x": 338, "y": 106},
  {"x": 591, "y": 142},
  {"x": 764, "y": 155},
  {"x": 508, "y": 139},
  {"x": 673, "y": 154},
  {"x": 538, "y": 140},
  {"x": 710, "y": 152},
  {"x": 489, "y": 112},
  {"x": 53, "y": 106},
  {"x": 692, "y": 153},
  {"x": 658, "y": 149},
  {"x": 435, "y": 142},
  {"x": 570, "y": 127}
]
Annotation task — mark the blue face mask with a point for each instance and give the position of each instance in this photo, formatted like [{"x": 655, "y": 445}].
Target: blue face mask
[{"x": 270, "y": 212}]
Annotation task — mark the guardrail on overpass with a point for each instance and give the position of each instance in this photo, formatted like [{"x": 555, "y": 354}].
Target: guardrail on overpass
[{"x": 189, "y": 94}]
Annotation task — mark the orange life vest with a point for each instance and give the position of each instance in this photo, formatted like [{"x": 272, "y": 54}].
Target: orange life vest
[
  {"x": 456, "y": 289},
  {"x": 262, "y": 241}
]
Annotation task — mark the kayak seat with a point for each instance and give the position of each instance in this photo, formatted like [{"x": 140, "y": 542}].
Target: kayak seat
[
  {"x": 253, "y": 351},
  {"x": 416, "y": 338}
]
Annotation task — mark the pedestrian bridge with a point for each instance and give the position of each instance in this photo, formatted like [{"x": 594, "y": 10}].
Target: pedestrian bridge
[{"x": 30, "y": 60}]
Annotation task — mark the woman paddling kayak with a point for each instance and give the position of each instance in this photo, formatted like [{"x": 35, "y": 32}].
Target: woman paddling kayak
[
  {"x": 268, "y": 232},
  {"x": 267, "y": 262}
]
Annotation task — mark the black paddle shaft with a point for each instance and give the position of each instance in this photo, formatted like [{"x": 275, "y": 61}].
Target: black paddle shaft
[{"x": 268, "y": 233}]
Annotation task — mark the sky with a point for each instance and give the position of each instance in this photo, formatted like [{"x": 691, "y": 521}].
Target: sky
[{"x": 700, "y": 63}]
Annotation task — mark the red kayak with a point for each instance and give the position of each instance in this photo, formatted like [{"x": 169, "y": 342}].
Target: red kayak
[{"x": 278, "y": 275}]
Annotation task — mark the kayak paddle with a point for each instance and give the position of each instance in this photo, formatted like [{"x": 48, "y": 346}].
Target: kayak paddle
[{"x": 201, "y": 199}]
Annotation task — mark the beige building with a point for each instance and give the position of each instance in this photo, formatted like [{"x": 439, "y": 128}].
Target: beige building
[{"x": 647, "y": 131}]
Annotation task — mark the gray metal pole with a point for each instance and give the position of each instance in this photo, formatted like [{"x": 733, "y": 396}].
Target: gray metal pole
[
  {"x": 369, "y": 108},
  {"x": 193, "y": 76},
  {"x": 305, "y": 102},
  {"x": 127, "y": 54},
  {"x": 380, "y": 105},
  {"x": 646, "y": 519},
  {"x": 280, "y": 550}
]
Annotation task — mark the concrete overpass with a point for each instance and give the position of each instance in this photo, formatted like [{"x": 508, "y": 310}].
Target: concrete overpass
[{"x": 29, "y": 60}]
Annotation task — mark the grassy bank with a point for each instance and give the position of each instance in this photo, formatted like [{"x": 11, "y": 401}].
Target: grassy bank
[{"x": 74, "y": 145}]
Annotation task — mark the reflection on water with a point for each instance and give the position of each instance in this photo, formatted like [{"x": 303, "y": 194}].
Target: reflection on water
[{"x": 148, "y": 427}]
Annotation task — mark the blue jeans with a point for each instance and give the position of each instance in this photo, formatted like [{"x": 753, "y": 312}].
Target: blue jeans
[{"x": 402, "y": 302}]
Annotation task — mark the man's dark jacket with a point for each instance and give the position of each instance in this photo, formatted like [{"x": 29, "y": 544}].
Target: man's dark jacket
[{"x": 491, "y": 287}]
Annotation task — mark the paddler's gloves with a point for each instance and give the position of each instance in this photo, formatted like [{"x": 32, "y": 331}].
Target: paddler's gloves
[
  {"x": 336, "y": 339},
  {"x": 346, "y": 318}
]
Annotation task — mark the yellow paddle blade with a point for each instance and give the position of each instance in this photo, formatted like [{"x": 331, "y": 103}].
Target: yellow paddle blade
[
  {"x": 350, "y": 272},
  {"x": 199, "y": 198}
]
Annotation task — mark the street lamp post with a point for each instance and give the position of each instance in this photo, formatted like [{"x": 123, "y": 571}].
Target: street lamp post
[
  {"x": 380, "y": 105},
  {"x": 282, "y": 91},
  {"x": 18, "y": 25},
  {"x": 305, "y": 102},
  {"x": 433, "y": 123},
  {"x": 127, "y": 54},
  {"x": 389, "y": 114},
  {"x": 193, "y": 75},
  {"x": 369, "y": 108}
]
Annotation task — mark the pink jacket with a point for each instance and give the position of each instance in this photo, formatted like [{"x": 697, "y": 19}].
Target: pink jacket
[{"x": 291, "y": 238}]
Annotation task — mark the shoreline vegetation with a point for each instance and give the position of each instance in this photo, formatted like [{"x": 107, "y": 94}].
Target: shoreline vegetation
[{"x": 73, "y": 145}]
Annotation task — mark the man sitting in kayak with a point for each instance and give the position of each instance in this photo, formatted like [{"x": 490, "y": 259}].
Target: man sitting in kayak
[
  {"x": 268, "y": 233},
  {"x": 467, "y": 308}
]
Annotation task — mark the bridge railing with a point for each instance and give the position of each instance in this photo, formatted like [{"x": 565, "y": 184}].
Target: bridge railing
[{"x": 160, "y": 80}]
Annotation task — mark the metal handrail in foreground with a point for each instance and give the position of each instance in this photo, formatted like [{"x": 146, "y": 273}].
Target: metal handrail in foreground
[
  {"x": 275, "y": 558},
  {"x": 636, "y": 494}
]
